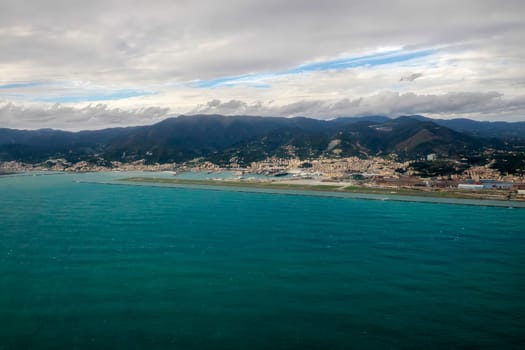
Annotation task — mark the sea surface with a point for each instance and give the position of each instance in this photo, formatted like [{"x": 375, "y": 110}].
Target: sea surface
[{"x": 86, "y": 265}]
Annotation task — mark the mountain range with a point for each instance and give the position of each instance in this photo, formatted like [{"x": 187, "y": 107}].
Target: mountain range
[{"x": 244, "y": 139}]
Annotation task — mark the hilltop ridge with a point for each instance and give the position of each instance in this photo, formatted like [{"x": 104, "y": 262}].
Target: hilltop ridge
[{"x": 220, "y": 138}]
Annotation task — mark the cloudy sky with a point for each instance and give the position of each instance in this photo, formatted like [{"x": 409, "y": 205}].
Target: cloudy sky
[{"x": 100, "y": 63}]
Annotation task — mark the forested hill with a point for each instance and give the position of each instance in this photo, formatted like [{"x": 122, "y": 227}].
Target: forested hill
[{"x": 220, "y": 138}]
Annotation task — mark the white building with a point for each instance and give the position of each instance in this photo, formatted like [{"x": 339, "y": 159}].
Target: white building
[
  {"x": 470, "y": 187},
  {"x": 431, "y": 157}
]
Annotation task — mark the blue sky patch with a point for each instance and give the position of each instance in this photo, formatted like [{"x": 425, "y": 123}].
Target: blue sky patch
[
  {"x": 257, "y": 80},
  {"x": 20, "y": 85}
]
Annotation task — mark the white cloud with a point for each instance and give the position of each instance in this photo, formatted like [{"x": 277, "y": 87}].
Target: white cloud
[
  {"x": 69, "y": 118},
  {"x": 385, "y": 103},
  {"x": 101, "y": 50},
  {"x": 184, "y": 40},
  {"x": 482, "y": 106}
]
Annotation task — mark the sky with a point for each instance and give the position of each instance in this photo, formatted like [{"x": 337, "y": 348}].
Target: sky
[{"x": 75, "y": 65}]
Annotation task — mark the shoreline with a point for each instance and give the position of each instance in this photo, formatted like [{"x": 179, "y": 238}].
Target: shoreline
[
  {"x": 329, "y": 190},
  {"x": 493, "y": 198}
]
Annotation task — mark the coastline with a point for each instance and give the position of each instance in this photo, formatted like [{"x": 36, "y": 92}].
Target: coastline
[
  {"x": 492, "y": 198},
  {"x": 328, "y": 190}
]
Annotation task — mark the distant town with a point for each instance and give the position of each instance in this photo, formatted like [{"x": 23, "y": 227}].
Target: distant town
[
  {"x": 409, "y": 153},
  {"x": 372, "y": 173}
]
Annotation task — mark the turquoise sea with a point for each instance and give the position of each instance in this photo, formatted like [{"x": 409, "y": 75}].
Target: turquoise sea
[{"x": 99, "y": 266}]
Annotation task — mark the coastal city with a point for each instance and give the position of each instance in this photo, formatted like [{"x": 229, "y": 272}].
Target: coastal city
[
  {"x": 262, "y": 174},
  {"x": 381, "y": 173}
]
